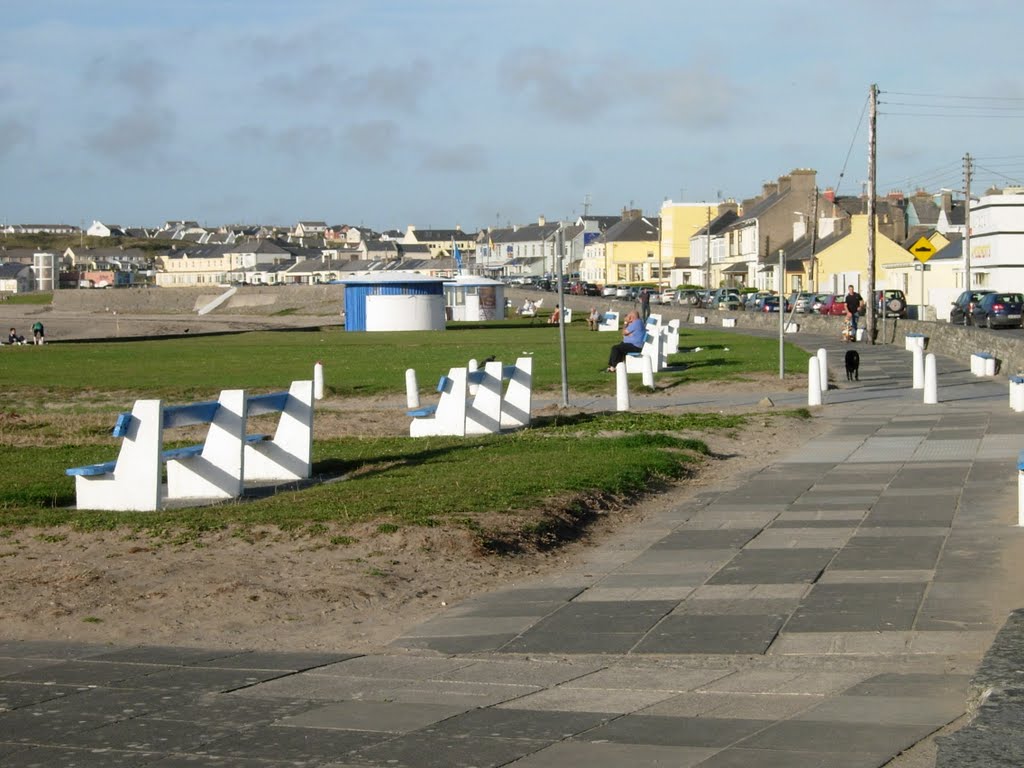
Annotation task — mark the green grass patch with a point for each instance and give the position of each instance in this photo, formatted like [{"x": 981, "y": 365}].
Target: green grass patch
[
  {"x": 186, "y": 369},
  {"x": 36, "y": 298}
]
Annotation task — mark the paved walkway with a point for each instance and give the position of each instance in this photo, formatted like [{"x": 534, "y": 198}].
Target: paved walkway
[{"x": 829, "y": 610}]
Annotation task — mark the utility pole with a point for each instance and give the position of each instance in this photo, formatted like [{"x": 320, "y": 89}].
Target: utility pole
[
  {"x": 872, "y": 160},
  {"x": 559, "y": 257},
  {"x": 707, "y": 256},
  {"x": 814, "y": 241},
  {"x": 967, "y": 222}
]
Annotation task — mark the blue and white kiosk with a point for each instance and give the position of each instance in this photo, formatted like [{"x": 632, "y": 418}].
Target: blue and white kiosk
[
  {"x": 394, "y": 301},
  {"x": 474, "y": 298}
]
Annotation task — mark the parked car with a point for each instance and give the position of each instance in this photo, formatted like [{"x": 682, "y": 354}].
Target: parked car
[
  {"x": 834, "y": 304},
  {"x": 802, "y": 302},
  {"x": 998, "y": 310},
  {"x": 769, "y": 303},
  {"x": 751, "y": 299},
  {"x": 892, "y": 301},
  {"x": 690, "y": 296},
  {"x": 726, "y": 298},
  {"x": 960, "y": 312},
  {"x": 590, "y": 289},
  {"x": 621, "y": 291},
  {"x": 608, "y": 290}
]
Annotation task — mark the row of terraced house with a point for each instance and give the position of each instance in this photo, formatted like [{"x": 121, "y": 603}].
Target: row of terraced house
[{"x": 822, "y": 238}]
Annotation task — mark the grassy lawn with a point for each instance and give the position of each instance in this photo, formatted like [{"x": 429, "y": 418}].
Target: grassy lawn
[{"x": 60, "y": 403}]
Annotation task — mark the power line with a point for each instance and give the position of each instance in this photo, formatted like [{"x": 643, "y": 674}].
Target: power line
[
  {"x": 852, "y": 142},
  {"x": 997, "y": 173},
  {"x": 947, "y": 114},
  {"x": 947, "y": 96},
  {"x": 951, "y": 106}
]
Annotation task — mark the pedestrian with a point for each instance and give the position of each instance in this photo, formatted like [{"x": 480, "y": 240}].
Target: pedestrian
[
  {"x": 593, "y": 319},
  {"x": 633, "y": 332},
  {"x": 37, "y": 333},
  {"x": 854, "y": 304},
  {"x": 555, "y": 316},
  {"x": 14, "y": 338},
  {"x": 645, "y": 303}
]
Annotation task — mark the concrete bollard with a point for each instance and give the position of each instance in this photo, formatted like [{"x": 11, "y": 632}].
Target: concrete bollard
[
  {"x": 823, "y": 368},
  {"x": 931, "y": 386},
  {"x": 918, "y": 353},
  {"x": 318, "y": 381},
  {"x": 473, "y": 367},
  {"x": 1020, "y": 489},
  {"x": 1017, "y": 393},
  {"x": 813, "y": 381},
  {"x": 648, "y": 372},
  {"x": 621, "y": 388},
  {"x": 412, "y": 390}
]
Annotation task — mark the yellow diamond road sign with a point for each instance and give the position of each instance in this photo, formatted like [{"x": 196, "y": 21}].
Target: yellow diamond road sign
[{"x": 922, "y": 249}]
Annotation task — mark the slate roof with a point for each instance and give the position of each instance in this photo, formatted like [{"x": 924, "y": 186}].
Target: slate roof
[
  {"x": 719, "y": 224},
  {"x": 11, "y": 270},
  {"x": 955, "y": 249},
  {"x": 632, "y": 231},
  {"x": 439, "y": 235}
]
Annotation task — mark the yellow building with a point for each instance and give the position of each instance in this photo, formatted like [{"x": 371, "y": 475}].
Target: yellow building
[
  {"x": 679, "y": 223},
  {"x": 844, "y": 261},
  {"x": 631, "y": 249}
]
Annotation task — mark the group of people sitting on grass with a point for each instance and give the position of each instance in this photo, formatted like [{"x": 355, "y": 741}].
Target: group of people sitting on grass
[{"x": 37, "y": 335}]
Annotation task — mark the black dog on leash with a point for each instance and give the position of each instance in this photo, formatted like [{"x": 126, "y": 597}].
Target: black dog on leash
[{"x": 852, "y": 365}]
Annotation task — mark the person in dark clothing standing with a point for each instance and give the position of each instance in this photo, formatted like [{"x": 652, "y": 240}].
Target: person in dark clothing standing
[
  {"x": 645, "y": 304},
  {"x": 854, "y": 304}
]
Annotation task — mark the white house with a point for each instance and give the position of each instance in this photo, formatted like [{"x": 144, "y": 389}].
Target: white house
[
  {"x": 997, "y": 241},
  {"x": 16, "y": 278}
]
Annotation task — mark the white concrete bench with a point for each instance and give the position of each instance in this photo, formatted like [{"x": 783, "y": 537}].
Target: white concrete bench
[
  {"x": 609, "y": 322},
  {"x": 670, "y": 338},
  {"x": 214, "y": 470},
  {"x": 568, "y": 315},
  {"x": 728, "y": 322},
  {"x": 491, "y": 409},
  {"x": 983, "y": 364},
  {"x": 531, "y": 312},
  {"x": 700, "y": 320},
  {"x": 654, "y": 322},
  {"x": 652, "y": 348}
]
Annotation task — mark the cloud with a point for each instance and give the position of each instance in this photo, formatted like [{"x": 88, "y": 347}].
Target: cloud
[
  {"x": 464, "y": 158},
  {"x": 306, "y": 86},
  {"x": 376, "y": 140},
  {"x": 142, "y": 76},
  {"x": 133, "y": 136},
  {"x": 566, "y": 89},
  {"x": 13, "y": 132},
  {"x": 390, "y": 86}
]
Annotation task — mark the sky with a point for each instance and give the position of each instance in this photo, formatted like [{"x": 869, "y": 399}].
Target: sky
[{"x": 477, "y": 113}]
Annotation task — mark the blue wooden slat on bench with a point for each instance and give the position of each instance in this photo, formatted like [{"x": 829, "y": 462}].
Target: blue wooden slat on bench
[
  {"x": 272, "y": 403},
  {"x": 124, "y": 420},
  {"x": 477, "y": 376},
  {"x": 92, "y": 470},
  {"x": 428, "y": 410},
  {"x": 187, "y": 415}
]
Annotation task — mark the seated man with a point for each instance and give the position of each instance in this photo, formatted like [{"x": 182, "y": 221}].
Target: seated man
[
  {"x": 593, "y": 319},
  {"x": 633, "y": 332},
  {"x": 555, "y": 316},
  {"x": 14, "y": 338}
]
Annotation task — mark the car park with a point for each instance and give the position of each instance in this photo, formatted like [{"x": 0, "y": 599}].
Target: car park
[
  {"x": 998, "y": 310},
  {"x": 960, "y": 312}
]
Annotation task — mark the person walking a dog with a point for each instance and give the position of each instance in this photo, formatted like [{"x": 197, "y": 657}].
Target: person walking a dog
[{"x": 854, "y": 304}]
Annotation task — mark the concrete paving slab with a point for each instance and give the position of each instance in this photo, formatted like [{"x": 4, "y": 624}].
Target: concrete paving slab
[
  {"x": 445, "y": 626},
  {"x": 750, "y": 591},
  {"x": 774, "y": 566},
  {"x": 857, "y": 608},
  {"x": 571, "y": 699},
  {"x": 199, "y": 679},
  {"x": 391, "y": 667},
  {"x": 701, "y": 633},
  {"x": 14, "y": 695},
  {"x": 58, "y": 757},
  {"x": 371, "y": 716},
  {"x": 717, "y": 539},
  {"x": 748, "y": 706},
  {"x": 780, "y": 606},
  {"x": 792, "y": 537},
  {"x": 288, "y": 662},
  {"x": 838, "y": 738},
  {"x": 535, "y": 672},
  {"x": 517, "y": 724},
  {"x": 147, "y": 734},
  {"x": 895, "y": 710},
  {"x": 660, "y": 730},
  {"x": 651, "y": 678},
  {"x": 889, "y": 553},
  {"x": 577, "y": 754},
  {"x": 880, "y": 576},
  {"x": 784, "y": 758},
  {"x": 618, "y": 594},
  {"x": 163, "y": 654},
  {"x": 294, "y": 744}
]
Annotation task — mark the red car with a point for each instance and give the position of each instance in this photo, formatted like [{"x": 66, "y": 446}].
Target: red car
[{"x": 833, "y": 304}]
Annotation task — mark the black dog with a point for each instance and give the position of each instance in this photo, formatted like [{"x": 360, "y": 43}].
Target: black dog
[{"x": 852, "y": 365}]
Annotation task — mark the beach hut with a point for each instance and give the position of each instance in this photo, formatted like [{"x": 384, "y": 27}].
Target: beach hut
[
  {"x": 474, "y": 298},
  {"x": 394, "y": 301}
]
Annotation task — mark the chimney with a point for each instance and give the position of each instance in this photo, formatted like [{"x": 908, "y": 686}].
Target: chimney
[
  {"x": 541, "y": 221},
  {"x": 727, "y": 205},
  {"x": 802, "y": 180},
  {"x": 784, "y": 183},
  {"x": 829, "y": 194},
  {"x": 895, "y": 195},
  {"x": 768, "y": 189}
]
